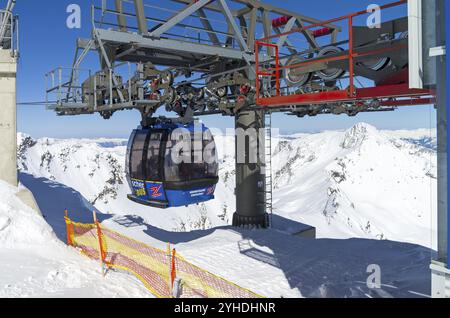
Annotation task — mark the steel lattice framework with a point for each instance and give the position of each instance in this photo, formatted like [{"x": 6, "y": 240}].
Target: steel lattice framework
[
  {"x": 225, "y": 68},
  {"x": 240, "y": 58}
]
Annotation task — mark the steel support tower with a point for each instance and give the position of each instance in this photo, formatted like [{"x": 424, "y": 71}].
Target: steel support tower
[{"x": 8, "y": 72}]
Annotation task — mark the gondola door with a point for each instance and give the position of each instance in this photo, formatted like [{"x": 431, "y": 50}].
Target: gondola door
[
  {"x": 145, "y": 167},
  {"x": 154, "y": 167},
  {"x": 135, "y": 168}
]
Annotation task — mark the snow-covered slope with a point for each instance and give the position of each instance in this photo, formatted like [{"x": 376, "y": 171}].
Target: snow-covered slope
[
  {"x": 376, "y": 187},
  {"x": 357, "y": 183},
  {"x": 34, "y": 263}
]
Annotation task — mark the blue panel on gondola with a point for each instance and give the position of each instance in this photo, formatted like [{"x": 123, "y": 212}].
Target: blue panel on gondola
[
  {"x": 139, "y": 189},
  {"x": 179, "y": 198},
  {"x": 156, "y": 191}
]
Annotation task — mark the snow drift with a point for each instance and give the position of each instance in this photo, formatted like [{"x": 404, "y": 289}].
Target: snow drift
[{"x": 34, "y": 263}]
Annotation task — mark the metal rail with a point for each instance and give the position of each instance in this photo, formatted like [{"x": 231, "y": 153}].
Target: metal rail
[{"x": 352, "y": 93}]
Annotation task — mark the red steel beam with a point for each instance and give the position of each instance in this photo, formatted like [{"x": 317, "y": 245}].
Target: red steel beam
[
  {"x": 408, "y": 102},
  {"x": 361, "y": 94}
]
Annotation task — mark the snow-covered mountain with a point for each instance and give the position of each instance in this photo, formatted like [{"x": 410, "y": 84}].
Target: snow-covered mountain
[
  {"x": 361, "y": 183},
  {"x": 375, "y": 187}
]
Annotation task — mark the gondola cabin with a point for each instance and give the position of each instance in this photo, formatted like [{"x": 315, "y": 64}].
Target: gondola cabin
[{"x": 172, "y": 165}]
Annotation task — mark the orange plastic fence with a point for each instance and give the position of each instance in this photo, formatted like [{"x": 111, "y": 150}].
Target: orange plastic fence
[{"x": 164, "y": 273}]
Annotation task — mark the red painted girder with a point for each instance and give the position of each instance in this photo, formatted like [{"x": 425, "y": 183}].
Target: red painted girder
[{"x": 380, "y": 92}]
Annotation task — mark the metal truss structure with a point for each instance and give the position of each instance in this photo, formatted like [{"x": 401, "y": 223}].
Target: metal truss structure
[
  {"x": 216, "y": 64},
  {"x": 9, "y": 28},
  {"x": 241, "y": 58}
]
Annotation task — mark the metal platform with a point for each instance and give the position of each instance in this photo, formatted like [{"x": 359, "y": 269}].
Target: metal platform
[{"x": 387, "y": 86}]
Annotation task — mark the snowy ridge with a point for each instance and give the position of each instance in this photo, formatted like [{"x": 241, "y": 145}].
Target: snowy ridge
[
  {"x": 347, "y": 184},
  {"x": 375, "y": 187}
]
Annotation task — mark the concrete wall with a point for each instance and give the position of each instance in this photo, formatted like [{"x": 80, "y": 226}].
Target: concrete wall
[
  {"x": 8, "y": 128},
  {"x": 440, "y": 280},
  {"x": 27, "y": 197}
]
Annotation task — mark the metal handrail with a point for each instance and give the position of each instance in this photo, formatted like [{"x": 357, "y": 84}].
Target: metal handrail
[
  {"x": 9, "y": 22},
  {"x": 351, "y": 55},
  {"x": 104, "y": 10}
]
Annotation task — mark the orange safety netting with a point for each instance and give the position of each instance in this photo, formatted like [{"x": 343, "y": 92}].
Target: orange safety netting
[{"x": 164, "y": 273}]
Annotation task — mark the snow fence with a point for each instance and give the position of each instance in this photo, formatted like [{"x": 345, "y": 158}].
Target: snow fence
[{"x": 164, "y": 273}]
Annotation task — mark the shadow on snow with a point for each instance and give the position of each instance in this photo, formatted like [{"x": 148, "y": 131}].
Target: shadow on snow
[
  {"x": 316, "y": 267},
  {"x": 53, "y": 198}
]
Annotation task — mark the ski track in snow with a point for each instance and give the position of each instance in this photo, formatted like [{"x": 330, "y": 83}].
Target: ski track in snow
[{"x": 347, "y": 184}]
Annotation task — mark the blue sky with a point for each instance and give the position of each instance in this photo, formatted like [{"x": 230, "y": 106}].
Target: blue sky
[{"x": 47, "y": 43}]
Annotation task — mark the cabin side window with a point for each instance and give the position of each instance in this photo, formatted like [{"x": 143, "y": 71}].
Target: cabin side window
[
  {"x": 198, "y": 167},
  {"x": 153, "y": 157},
  {"x": 171, "y": 169},
  {"x": 210, "y": 155},
  {"x": 137, "y": 153}
]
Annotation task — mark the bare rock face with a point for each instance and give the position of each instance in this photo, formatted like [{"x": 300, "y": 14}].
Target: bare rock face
[{"x": 355, "y": 136}]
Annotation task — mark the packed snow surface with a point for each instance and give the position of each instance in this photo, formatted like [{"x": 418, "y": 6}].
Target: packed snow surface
[
  {"x": 369, "y": 193},
  {"x": 35, "y": 263}
]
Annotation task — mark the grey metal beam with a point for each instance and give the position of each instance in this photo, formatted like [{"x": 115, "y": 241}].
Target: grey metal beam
[
  {"x": 287, "y": 28},
  {"x": 211, "y": 6},
  {"x": 120, "y": 17},
  {"x": 252, "y": 28},
  {"x": 243, "y": 25},
  {"x": 231, "y": 21},
  {"x": 108, "y": 63},
  {"x": 289, "y": 45},
  {"x": 207, "y": 25},
  {"x": 281, "y": 11},
  {"x": 267, "y": 27},
  {"x": 118, "y": 37},
  {"x": 311, "y": 40},
  {"x": 244, "y": 11},
  {"x": 140, "y": 15},
  {"x": 194, "y": 7},
  {"x": 263, "y": 6},
  {"x": 83, "y": 43},
  {"x": 10, "y": 5}
]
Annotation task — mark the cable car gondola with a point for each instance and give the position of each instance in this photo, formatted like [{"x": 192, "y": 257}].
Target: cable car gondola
[{"x": 157, "y": 178}]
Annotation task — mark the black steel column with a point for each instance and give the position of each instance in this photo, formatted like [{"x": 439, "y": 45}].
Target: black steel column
[{"x": 250, "y": 175}]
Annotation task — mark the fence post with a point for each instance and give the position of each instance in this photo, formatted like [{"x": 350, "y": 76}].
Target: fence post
[
  {"x": 68, "y": 227},
  {"x": 169, "y": 256},
  {"x": 173, "y": 271},
  {"x": 100, "y": 245}
]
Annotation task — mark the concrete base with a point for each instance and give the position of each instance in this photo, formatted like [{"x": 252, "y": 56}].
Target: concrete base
[
  {"x": 27, "y": 197},
  {"x": 307, "y": 233},
  {"x": 293, "y": 228},
  {"x": 440, "y": 280},
  {"x": 8, "y": 126}
]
